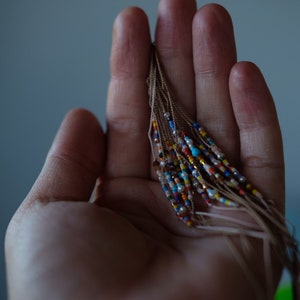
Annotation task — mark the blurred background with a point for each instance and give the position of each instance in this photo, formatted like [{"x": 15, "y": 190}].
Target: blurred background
[{"x": 54, "y": 56}]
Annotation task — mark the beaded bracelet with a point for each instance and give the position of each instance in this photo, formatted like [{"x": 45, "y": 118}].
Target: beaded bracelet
[{"x": 196, "y": 176}]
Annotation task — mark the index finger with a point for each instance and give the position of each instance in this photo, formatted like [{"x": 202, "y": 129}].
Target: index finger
[{"x": 127, "y": 106}]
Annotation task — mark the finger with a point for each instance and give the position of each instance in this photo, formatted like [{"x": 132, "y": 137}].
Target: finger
[
  {"x": 74, "y": 161},
  {"x": 260, "y": 135},
  {"x": 214, "y": 55},
  {"x": 174, "y": 44},
  {"x": 127, "y": 106}
]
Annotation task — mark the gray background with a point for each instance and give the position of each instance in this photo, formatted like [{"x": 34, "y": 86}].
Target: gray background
[{"x": 54, "y": 56}]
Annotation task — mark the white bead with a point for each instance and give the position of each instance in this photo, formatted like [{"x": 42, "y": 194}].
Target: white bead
[
  {"x": 162, "y": 163},
  {"x": 180, "y": 188},
  {"x": 190, "y": 196},
  {"x": 234, "y": 182},
  {"x": 242, "y": 179},
  {"x": 195, "y": 173},
  {"x": 199, "y": 190},
  {"x": 182, "y": 210},
  {"x": 195, "y": 183},
  {"x": 215, "y": 162},
  {"x": 211, "y": 193}
]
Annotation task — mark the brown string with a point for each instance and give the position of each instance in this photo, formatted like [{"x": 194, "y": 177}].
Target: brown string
[{"x": 268, "y": 224}]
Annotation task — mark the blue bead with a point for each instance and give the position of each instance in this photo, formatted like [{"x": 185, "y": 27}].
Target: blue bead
[
  {"x": 196, "y": 125},
  {"x": 195, "y": 152},
  {"x": 186, "y": 218},
  {"x": 172, "y": 125},
  {"x": 187, "y": 203},
  {"x": 210, "y": 141},
  {"x": 227, "y": 173}
]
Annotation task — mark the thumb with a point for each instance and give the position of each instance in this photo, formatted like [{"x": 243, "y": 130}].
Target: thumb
[{"x": 74, "y": 161}]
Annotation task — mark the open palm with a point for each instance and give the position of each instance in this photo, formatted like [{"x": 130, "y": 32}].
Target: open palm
[{"x": 127, "y": 243}]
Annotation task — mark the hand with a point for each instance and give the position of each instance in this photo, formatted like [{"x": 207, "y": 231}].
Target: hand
[{"x": 128, "y": 244}]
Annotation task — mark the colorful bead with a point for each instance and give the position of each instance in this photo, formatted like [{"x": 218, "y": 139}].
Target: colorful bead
[{"x": 184, "y": 167}]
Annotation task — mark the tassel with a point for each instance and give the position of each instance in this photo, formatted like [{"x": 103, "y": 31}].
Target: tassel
[{"x": 201, "y": 184}]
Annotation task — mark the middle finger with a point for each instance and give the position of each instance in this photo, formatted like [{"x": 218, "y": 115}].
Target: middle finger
[
  {"x": 174, "y": 44},
  {"x": 214, "y": 55}
]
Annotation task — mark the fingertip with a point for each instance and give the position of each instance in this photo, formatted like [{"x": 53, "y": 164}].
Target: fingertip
[
  {"x": 128, "y": 17},
  {"x": 245, "y": 77},
  {"x": 81, "y": 137},
  {"x": 131, "y": 44},
  {"x": 214, "y": 42},
  {"x": 245, "y": 71},
  {"x": 252, "y": 101},
  {"x": 74, "y": 162},
  {"x": 83, "y": 116},
  {"x": 173, "y": 30},
  {"x": 166, "y": 6},
  {"x": 212, "y": 16}
]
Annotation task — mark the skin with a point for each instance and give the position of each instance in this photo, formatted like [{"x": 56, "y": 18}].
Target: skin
[{"x": 128, "y": 244}]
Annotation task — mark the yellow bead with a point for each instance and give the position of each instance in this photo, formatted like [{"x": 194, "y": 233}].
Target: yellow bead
[{"x": 189, "y": 223}]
